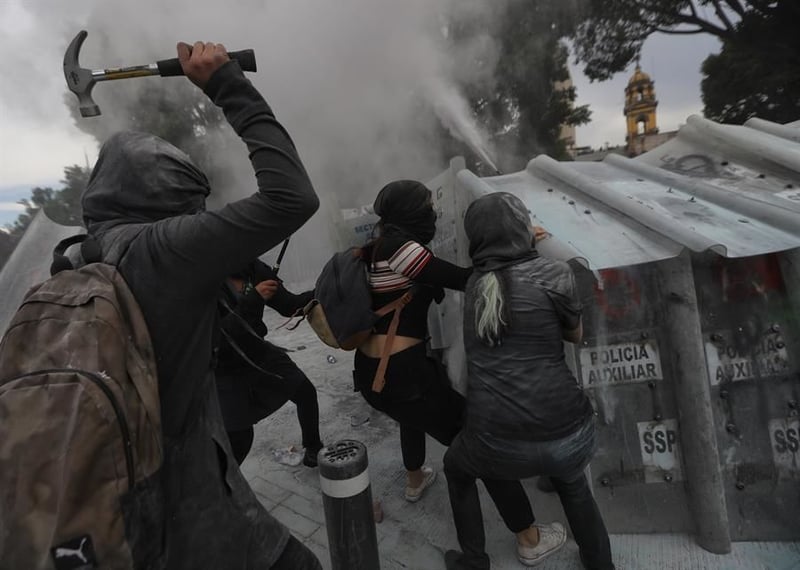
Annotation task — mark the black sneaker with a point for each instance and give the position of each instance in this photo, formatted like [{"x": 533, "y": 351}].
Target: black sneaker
[{"x": 310, "y": 456}]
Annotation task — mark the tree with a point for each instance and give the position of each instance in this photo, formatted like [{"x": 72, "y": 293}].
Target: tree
[
  {"x": 39, "y": 198},
  {"x": 8, "y": 241},
  {"x": 755, "y": 73},
  {"x": 63, "y": 206},
  {"x": 522, "y": 106}
]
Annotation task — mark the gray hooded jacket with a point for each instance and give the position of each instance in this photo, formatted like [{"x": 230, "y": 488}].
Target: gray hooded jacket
[
  {"x": 521, "y": 388},
  {"x": 145, "y": 205}
]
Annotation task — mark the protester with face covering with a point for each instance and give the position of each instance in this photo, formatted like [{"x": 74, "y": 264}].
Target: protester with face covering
[
  {"x": 255, "y": 378},
  {"x": 145, "y": 205},
  {"x": 417, "y": 392},
  {"x": 525, "y": 413}
]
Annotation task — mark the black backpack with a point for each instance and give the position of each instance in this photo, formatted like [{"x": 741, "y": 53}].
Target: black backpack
[{"x": 341, "y": 312}]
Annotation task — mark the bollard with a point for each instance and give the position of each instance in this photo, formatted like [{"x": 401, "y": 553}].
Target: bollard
[{"x": 347, "y": 498}]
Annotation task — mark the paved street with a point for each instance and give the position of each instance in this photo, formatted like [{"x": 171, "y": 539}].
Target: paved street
[{"x": 415, "y": 536}]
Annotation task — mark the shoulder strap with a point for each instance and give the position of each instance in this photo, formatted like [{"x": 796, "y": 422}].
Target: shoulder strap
[
  {"x": 236, "y": 347},
  {"x": 241, "y": 319},
  {"x": 397, "y": 306},
  {"x": 246, "y": 358}
]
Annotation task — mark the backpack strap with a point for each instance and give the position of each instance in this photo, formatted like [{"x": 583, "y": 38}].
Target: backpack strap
[
  {"x": 302, "y": 312},
  {"x": 236, "y": 347},
  {"x": 246, "y": 358},
  {"x": 90, "y": 252},
  {"x": 60, "y": 261},
  {"x": 397, "y": 306}
]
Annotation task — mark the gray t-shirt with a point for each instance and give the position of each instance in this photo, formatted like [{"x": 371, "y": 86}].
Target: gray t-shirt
[{"x": 522, "y": 388}]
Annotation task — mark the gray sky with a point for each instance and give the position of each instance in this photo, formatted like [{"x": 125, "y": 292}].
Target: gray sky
[
  {"x": 673, "y": 62},
  {"x": 344, "y": 79}
]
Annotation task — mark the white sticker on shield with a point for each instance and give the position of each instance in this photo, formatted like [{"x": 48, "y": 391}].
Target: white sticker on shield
[{"x": 658, "y": 442}]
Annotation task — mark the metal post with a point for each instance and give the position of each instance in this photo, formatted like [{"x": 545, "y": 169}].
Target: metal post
[
  {"x": 693, "y": 394},
  {"x": 347, "y": 498}
]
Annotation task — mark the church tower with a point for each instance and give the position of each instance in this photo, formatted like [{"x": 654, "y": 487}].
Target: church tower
[{"x": 640, "y": 112}]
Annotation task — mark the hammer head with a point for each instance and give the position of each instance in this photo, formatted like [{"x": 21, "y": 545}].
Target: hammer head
[{"x": 79, "y": 80}]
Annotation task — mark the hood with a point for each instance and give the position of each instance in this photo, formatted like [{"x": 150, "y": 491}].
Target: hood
[
  {"x": 139, "y": 178},
  {"x": 499, "y": 230}
]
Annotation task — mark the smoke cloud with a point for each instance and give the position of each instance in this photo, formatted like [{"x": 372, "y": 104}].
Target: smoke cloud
[{"x": 363, "y": 86}]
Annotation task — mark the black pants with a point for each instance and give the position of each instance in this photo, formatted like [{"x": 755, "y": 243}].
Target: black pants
[
  {"x": 425, "y": 404},
  {"x": 437, "y": 413},
  {"x": 475, "y": 455},
  {"x": 247, "y": 396}
]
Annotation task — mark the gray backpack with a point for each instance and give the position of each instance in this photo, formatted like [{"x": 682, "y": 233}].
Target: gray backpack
[{"x": 341, "y": 312}]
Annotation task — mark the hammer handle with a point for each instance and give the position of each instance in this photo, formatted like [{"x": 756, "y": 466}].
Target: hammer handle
[{"x": 172, "y": 67}]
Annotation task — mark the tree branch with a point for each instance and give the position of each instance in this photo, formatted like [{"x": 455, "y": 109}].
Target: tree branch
[
  {"x": 737, "y": 7},
  {"x": 722, "y": 15},
  {"x": 674, "y": 32},
  {"x": 704, "y": 24},
  {"x": 693, "y": 17}
]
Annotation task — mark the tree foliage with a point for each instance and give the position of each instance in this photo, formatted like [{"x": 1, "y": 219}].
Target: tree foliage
[
  {"x": 522, "y": 106},
  {"x": 755, "y": 73},
  {"x": 63, "y": 206}
]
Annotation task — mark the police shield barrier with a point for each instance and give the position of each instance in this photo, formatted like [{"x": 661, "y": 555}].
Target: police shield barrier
[
  {"x": 751, "y": 342},
  {"x": 690, "y": 281},
  {"x": 638, "y": 468}
]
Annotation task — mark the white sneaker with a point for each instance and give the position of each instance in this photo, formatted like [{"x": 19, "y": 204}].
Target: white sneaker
[
  {"x": 551, "y": 538},
  {"x": 414, "y": 494}
]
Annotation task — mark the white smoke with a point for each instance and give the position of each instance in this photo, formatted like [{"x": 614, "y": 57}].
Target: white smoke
[{"x": 357, "y": 83}]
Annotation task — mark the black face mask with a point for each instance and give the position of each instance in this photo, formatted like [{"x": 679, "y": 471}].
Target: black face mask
[
  {"x": 422, "y": 232},
  {"x": 426, "y": 228},
  {"x": 405, "y": 208}
]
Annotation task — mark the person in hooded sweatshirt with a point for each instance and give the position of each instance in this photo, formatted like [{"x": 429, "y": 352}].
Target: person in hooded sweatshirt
[
  {"x": 525, "y": 413},
  {"x": 255, "y": 377},
  {"x": 145, "y": 206},
  {"x": 417, "y": 392}
]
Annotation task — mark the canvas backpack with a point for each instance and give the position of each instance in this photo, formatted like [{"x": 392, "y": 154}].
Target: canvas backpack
[
  {"x": 80, "y": 428},
  {"x": 341, "y": 312}
]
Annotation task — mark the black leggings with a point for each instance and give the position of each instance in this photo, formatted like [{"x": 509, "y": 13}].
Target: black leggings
[
  {"x": 254, "y": 397},
  {"x": 436, "y": 410}
]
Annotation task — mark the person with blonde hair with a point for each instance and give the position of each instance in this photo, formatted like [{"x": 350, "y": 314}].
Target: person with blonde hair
[{"x": 525, "y": 413}]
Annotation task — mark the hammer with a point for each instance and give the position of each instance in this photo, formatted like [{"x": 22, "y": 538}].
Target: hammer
[{"x": 81, "y": 81}]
